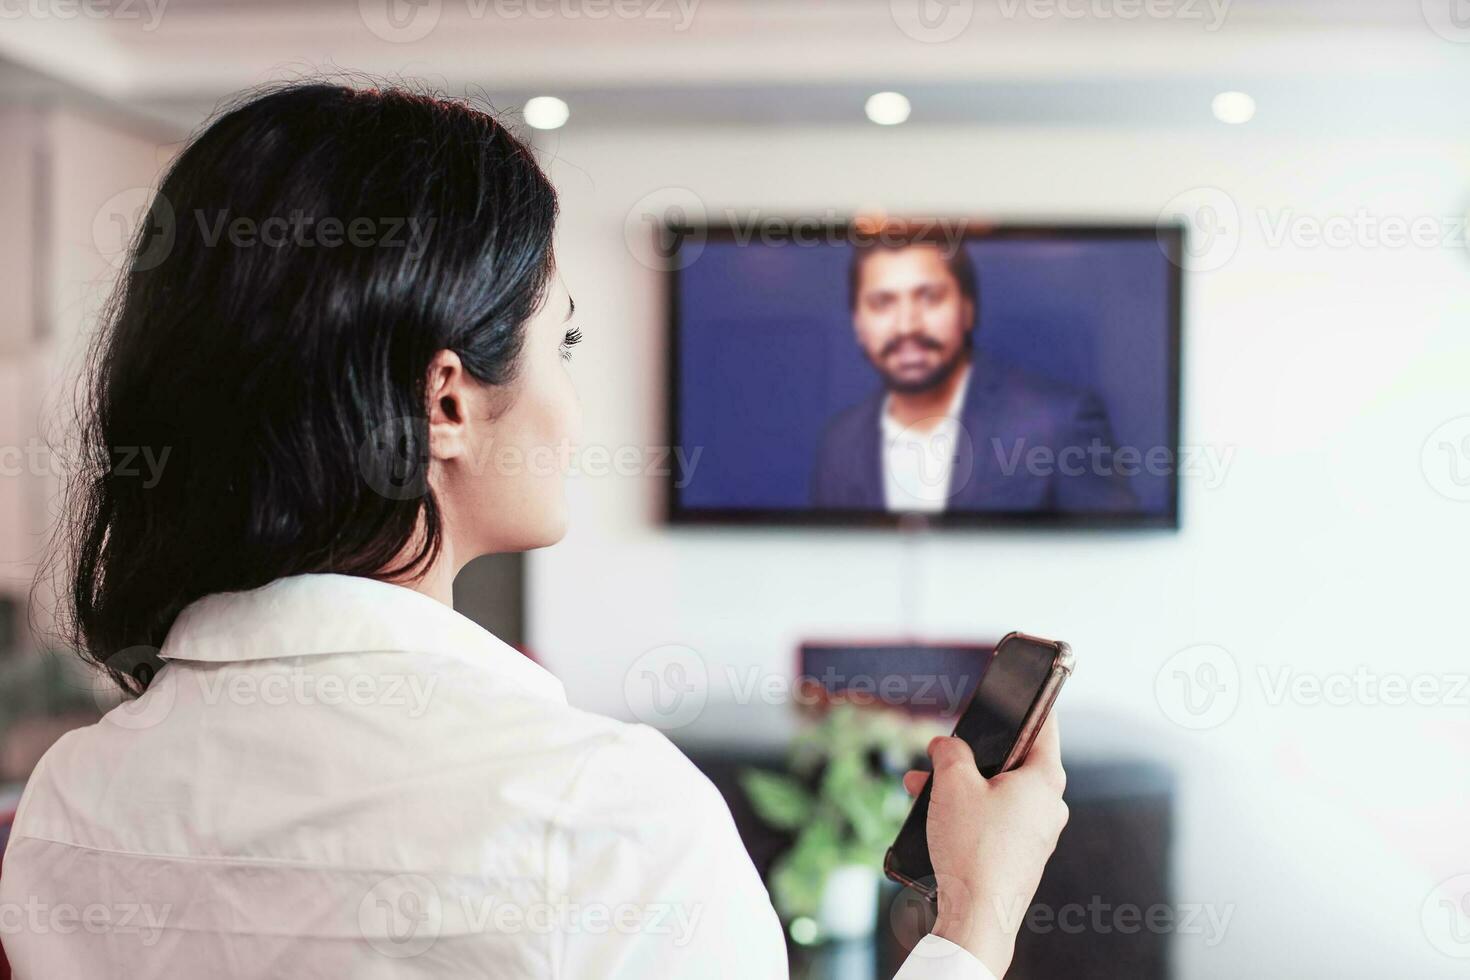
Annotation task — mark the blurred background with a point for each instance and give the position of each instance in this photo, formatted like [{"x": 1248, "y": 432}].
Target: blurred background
[{"x": 1269, "y": 728}]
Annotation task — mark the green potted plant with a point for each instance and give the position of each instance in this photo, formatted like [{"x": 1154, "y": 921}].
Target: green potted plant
[{"x": 843, "y": 800}]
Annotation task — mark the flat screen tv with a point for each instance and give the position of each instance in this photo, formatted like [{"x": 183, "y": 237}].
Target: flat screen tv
[{"x": 924, "y": 371}]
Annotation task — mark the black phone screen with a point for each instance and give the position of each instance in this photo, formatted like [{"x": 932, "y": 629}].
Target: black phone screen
[{"x": 990, "y": 725}]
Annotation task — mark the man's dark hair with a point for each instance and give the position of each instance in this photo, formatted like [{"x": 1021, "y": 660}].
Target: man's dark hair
[{"x": 956, "y": 259}]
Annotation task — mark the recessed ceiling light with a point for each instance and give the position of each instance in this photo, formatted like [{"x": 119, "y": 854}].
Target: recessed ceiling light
[
  {"x": 546, "y": 112},
  {"x": 887, "y": 108},
  {"x": 1233, "y": 108}
]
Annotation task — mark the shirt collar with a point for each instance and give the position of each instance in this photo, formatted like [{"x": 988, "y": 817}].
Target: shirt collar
[{"x": 307, "y": 615}]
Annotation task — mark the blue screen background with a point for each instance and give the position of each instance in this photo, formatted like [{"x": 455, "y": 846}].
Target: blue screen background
[{"x": 767, "y": 354}]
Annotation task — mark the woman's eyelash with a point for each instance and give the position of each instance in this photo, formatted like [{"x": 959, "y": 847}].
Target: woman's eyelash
[{"x": 572, "y": 339}]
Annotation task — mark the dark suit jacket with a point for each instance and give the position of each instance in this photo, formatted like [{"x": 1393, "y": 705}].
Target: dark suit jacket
[{"x": 1008, "y": 456}]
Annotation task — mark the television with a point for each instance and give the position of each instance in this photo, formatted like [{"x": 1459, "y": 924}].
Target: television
[{"x": 924, "y": 371}]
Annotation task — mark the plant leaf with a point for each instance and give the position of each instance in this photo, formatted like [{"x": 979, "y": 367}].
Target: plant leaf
[{"x": 778, "y": 799}]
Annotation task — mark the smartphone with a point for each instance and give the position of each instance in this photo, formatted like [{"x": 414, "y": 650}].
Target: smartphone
[{"x": 1006, "y": 710}]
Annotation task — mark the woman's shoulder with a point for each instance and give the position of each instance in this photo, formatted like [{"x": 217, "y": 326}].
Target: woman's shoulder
[{"x": 635, "y": 766}]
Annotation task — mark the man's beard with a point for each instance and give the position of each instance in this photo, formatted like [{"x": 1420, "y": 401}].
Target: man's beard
[{"x": 932, "y": 379}]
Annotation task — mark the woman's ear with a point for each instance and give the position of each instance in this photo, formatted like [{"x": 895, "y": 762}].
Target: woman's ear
[{"x": 449, "y": 399}]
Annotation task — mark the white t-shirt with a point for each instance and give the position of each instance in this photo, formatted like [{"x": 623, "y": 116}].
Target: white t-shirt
[{"x": 918, "y": 467}]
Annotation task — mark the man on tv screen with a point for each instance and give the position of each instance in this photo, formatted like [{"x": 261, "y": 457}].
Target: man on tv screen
[{"x": 951, "y": 430}]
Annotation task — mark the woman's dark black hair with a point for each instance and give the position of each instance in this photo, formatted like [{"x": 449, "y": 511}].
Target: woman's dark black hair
[{"x": 255, "y": 401}]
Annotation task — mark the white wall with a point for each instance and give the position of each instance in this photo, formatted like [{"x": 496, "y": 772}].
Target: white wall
[
  {"x": 1320, "y": 829},
  {"x": 95, "y": 171}
]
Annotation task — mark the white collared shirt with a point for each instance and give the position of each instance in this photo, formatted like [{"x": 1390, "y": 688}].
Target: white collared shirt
[
  {"x": 335, "y": 777},
  {"x": 918, "y": 466}
]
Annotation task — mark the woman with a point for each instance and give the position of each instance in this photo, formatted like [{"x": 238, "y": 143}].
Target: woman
[{"x": 342, "y": 334}]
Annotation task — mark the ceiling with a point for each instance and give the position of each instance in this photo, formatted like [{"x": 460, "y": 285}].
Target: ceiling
[{"x": 1066, "y": 62}]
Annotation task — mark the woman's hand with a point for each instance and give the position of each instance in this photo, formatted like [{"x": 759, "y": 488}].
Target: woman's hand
[{"x": 989, "y": 841}]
